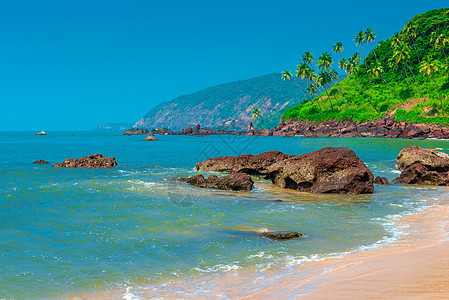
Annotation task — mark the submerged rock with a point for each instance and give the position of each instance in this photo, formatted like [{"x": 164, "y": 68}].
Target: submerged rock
[
  {"x": 256, "y": 165},
  {"x": 41, "y": 161},
  {"x": 134, "y": 131},
  {"x": 151, "y": 138},
  {"x": 423, "y": 166},
  {"x": 232, "y": 182},
  {"x": 277, "y": 235},
  {"x": 328, "y": 170},
  {"x": 41, "y": 133},
  {"x": 381, "y": 180},
  {"x": 96, "y": 161}
]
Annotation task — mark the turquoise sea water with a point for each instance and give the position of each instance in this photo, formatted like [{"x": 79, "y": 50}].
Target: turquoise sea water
[{"x": 67, "y": 231}]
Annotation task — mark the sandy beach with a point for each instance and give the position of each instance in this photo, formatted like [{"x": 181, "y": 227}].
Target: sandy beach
[{"x": 416, "y": 266}]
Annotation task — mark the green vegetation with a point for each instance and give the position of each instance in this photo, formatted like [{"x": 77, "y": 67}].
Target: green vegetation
[{"x": 406, "y": 75}]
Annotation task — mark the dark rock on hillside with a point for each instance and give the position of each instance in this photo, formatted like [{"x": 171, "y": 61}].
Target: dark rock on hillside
[
  {"x": 96, "y": 161},
  {"x": 381, "y": 180},
  {"x": 134, "y": 131},
  {"x": 256, "y": 165},
  {"x": 232, "y": 182},
  {"x": 41, "y": 161},
  {"x": 423, "y": 166},
  {"x": 329, "y": 170}
]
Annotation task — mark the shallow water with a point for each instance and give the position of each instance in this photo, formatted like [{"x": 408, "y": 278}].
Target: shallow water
[{"x": 66, "y": 231}]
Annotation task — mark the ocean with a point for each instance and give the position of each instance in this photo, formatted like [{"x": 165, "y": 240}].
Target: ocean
[{"x": 66, "y": 232}]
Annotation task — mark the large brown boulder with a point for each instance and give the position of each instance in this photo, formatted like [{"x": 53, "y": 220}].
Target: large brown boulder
[
  {"x": 423, "y": 166},
  {"x": 427, "y": 157},
  {"x": 255, "y": 165},
  {"x": 329, "y": 170},
  {"x": 151, "y": 138},
  {"x": 96, "y": 161},
  {"x": 232, "y": 182}
]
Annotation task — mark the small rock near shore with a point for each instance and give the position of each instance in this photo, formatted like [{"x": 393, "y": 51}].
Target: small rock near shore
[
  {"x": 232, "y": 182},
  {"x": 41, "y": 133},
  {"x": 95, "y": 161},
  {"x": 381, "y": 180},
  {"x": 135, "y": 131}
]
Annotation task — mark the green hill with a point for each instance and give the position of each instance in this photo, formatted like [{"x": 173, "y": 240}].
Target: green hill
[
  {"x": 228, "y": 106},
  {"x": 394, "y": 82}
]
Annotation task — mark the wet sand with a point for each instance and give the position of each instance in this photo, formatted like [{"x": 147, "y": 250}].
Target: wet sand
[{"x": 414, "y": 267}]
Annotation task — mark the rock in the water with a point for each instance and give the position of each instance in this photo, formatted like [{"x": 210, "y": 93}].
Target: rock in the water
[
  {"x": 134, "y": 131},
  {"x": 232, "y": 182},
  {"x": 278, "y": 235},
  {"x": 329, "y": 170},
  {"x": 41, "y": 133},
  {"x": 381, "y": 180},
  {"x": 423, "y": 166},
  {"x": 255, "y": 165},
  {"x": 431, "y": 158},
  {"x": 91, "y": 161},
  {"x": 150, "y": 138},
  {"x": 40, "y": 161}
]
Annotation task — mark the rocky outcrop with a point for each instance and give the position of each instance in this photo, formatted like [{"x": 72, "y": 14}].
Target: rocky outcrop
[
  {"x": 386, "y": 127},
  {"x": 256, "y": 165},
  {"x": 95, "y": 161},
  {"x": 197, "y": 130},
  {"x": 423, "y": 166},
  {"x": 135, "y": 131},
  {"x": 41, "y": 133},
  {"x": 161, "y": 131},
  {"x": 381, "y": 180},
  {"x": 275, "y": 235},
  {"x": 151, "y": 138},
  {"x": 232, "y": 182},
  {"x": 41, "y": 162},
  {"x": 328, "y": 170}
]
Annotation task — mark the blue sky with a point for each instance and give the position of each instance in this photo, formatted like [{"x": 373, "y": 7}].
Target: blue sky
[{"x": 71, "y": 65}]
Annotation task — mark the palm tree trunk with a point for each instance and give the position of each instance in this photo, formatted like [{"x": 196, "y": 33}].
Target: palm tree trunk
[
  {"x": 438, "y": 90},
  {"x": 361, "y": 87},
  {"x": 375, "y": 55},
  {"x": 329, "y": 97},
  {"x": 307, "y": 94},
  {"x": 406, "y": 81},
  {"x": 445, "y": 57},
  {"x": 391, "y": 89},
  {"x": 337, "y": 101},
  {"x": 417, "y": 84},
  {"x": 341, "y": 94},
  {"x": 366, "y": 67},
  {"x": 416, "y": 51}
]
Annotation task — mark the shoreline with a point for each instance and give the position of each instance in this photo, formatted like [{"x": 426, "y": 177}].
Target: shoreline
[{"x": 391, "y": 271}]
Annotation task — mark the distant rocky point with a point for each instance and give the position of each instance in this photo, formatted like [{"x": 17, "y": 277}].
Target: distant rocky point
[
  {"x": 95, "y": 161},
  {"x": 41, "y": 133},
  {"x": 41, "y": 162},
  {"x": 136, "y": 131}
]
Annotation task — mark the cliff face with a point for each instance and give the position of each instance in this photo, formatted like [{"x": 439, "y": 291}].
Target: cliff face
[{"x": 227, "y": 106}]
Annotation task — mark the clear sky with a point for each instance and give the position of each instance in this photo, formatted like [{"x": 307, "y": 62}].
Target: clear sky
[{"x": 71, "y": 65}]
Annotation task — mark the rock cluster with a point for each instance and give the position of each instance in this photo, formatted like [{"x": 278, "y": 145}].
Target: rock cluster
[
  {"x": 232, "y": 182},
  {"x": 197, "y": 130},
  {"x": 381, "y": 180},
  {"x": 423, "y": 166},
  {"x": 96, "y": 161},
  {"x": 329, "y": 170},
  {"x": 41, "y": 133},
  {"x": 385, "y": 127},
  {"x": 135, "y": 131}
]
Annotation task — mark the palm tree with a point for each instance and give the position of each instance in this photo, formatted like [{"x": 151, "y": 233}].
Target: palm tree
[
  {"x": 352, "y": 67},
  {"x": 399, "y": 66},
  {"x": 304, "y": 71},
  {"x": 370, "y": 37},
  {"x": 396, "y": 41},
  {"x": 338, "y": 48},
  {"x": 376, "y": 71},
  {"x": 311, "y": 89},
  {"x": 410, "y": 33},
  {"x": 334, "y": 78},
  {"x": 403, "y": 54},
  {"x": 324, "y": 63},
  {"x": 439, "y": 40},
  {"x": 286, "y": 74},
  {"x": 256, "y": 113},
  {"x": 359, "y": 39},
  {"x": 322, "y": 80},
  {"x": 429, "y": 66}
]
